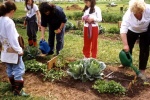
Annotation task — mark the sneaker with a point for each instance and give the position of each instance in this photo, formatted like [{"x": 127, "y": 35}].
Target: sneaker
[
  {"x": 142, "y": 76},
  {"x": 121, "y": 66}
]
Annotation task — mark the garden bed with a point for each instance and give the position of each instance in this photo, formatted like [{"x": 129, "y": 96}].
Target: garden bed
[{"x": 68, "y": 88}]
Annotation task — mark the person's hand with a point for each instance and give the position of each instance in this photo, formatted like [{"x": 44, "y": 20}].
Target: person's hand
[
  {"x": 39, "y": 27},
  {"x": 21, "y": 54},
  {"x": 57, "y": 31},
  {"x": 126, "y": 48},
  {"x": 42, "y": 38},
  {"x": 90, "y": 20},
  {"x": 24, "y": 23}
]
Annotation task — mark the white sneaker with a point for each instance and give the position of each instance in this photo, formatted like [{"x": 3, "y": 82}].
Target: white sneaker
[{"x": 142, "y": 76}]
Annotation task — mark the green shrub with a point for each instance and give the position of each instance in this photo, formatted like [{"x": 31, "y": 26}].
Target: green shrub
[
  {"x": 78, "y": 32},
  {"x": 19, "y": 20},
  {"x": 111, "y": 17},
  {"x": 113, "y": 30},
  {"x": 75, "y": 16},
  {"x": 69, "y": 26}
]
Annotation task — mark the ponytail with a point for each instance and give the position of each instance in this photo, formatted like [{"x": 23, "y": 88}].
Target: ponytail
[
  {"x": 2, "y": 10},
  {"x": 7, "y": 7}
]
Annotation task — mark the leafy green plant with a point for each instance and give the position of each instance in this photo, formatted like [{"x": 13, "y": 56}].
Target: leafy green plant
[
  {"x": 20, "y": 26},
  {"x": 111, "y": 17},
  {"x": 113, "y": 30},
  {"x": 69, "y": 26},
  {"x": 76, "y": 69},
  {"x": 19, "y": 20},
  {"x": 111, "y": 87},
  {"x": 53, "y": 75},
  {"x": 31, "y": 52},
  {"x": 78, "y": 32},
  {"x": 35, "y": 66},
  {"x": 77, "y": 15},
  {"x": 86, "y": 69},
  {"x": 101, "y": 29}
]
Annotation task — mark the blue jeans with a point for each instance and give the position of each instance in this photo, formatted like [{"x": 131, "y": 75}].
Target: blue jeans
[
  {"x": 16, "y": 70},
  {"x": 59, "y": 40}
]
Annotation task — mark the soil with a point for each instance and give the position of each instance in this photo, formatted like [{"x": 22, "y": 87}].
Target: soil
[
  {"x": 74, "y": 7},
  {"x": 70, "y": 89}
]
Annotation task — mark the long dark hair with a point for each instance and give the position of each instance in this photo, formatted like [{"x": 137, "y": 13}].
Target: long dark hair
[
  {"x": 45, "y": 7},
  {"x": 26, "y": 3},
  {"x": 93, "y": 3},
  {"x": 7, "y": 7}
]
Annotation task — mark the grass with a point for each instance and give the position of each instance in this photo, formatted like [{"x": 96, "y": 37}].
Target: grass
[
  {"x": 108, "y": 47},
  {"x": 6, "y": 94}
]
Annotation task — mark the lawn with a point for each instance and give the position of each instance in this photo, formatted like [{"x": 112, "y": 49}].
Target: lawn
[{"x": 109, "y": 46}]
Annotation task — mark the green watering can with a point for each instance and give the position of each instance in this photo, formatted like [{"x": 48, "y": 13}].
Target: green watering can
[{"x": 126, "y": 60}]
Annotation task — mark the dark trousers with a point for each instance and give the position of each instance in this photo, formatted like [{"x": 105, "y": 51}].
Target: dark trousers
[
  {"x": 59, "y": 40},
  {"x": 32, "y": 28},
  {"x": 143, "y": 45}
]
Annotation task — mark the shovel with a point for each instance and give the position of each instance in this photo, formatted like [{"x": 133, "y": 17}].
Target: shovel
[{"x": 126, "y": 60}]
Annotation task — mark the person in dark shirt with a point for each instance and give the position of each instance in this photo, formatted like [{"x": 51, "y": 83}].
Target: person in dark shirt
[{"x": 54, "y": 17}]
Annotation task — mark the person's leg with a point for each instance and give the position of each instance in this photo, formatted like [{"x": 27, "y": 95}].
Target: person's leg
[
  {"x": 29, "y": 33},
  {"x": 10, "y": 76},
  {"x": 144, "y": 51},
  {"x": 94, "y": 41},
  {"x": 51, "y": 41},
  {"x": 87, "y": 43},
  {"x": 60, "y": 41},
  {"x": 18, "y": 71},
  {"x": 131, "y": 38},
  {"x": 34, "y": 29}
]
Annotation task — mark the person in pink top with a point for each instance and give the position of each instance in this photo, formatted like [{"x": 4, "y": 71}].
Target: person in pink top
[{"x": 91, "y": 17}]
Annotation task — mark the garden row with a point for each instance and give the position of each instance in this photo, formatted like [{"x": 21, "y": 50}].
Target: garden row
[
  {"x": 78, "y": 25},
  {"x": 84, "y": 70}
]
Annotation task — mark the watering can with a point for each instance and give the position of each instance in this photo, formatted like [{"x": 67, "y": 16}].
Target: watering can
[{"x": 126, "y": 60}]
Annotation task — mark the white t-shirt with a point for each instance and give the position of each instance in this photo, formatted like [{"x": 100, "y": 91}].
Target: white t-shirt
[
  {"x": 31, "y": 11},
  {"x": 96, "y": 15},
  {"x": 132, "y": 23}
]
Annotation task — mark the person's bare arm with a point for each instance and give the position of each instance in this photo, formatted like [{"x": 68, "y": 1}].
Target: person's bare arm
[
  {"x": 124, "y": 41},
  {"x": 43, "y": 32}
]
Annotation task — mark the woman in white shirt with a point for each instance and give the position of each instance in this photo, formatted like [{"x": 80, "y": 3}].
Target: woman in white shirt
[
  {"x": 32, "y": 21},
  {"x": 11, "y": 52},
  {"x": 134, "y": 26},
  {"x": 91, "y": 17}
]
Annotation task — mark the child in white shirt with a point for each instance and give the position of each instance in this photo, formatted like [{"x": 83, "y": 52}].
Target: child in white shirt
[
  {"x": 91, "y": 17},
  {"x": 11, "y": 52}
]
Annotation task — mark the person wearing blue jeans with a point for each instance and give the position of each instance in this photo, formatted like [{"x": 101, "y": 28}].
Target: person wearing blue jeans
[
  {"x": 59, "y": 39},
  {"x": 11, "y": 52},
  {"x": 54, "y": 17}
]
